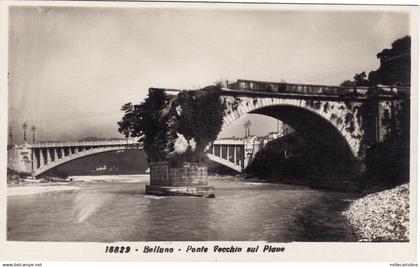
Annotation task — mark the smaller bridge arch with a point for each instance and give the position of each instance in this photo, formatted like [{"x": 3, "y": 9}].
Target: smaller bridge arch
[
  {"x": 224, "y": 162},
  {"x": 46, "y": 156},
  {"x": 230, "y": 152},
  {"x": 77, "y": 155}
]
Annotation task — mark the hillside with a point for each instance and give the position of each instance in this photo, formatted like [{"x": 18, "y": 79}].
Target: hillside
[{"x": 128, "y": 161}]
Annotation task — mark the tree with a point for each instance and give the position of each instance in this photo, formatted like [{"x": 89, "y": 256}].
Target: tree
[
  {"x": 361, "y": 80},
  {"x": 395, "y": 65},
  {"x": 348, "y": 83},
  {"x": 143, "y": 120},
  {"x": 394, "y": 69}
]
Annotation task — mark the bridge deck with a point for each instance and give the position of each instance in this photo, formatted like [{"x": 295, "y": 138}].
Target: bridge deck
[
  {"x": 131, "y": 141},
  {"x": 287, "y": 90}
]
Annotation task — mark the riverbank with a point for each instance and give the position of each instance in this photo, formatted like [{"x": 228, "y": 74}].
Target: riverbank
[
  {"x": 381, "y": 216},
  {"x": 30, "y": 187},
  {"x": 133, "y": 178},
  {"x": 24, "y": 190}
]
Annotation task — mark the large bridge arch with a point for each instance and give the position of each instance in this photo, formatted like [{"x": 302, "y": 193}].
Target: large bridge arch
[{"x": 340, "y": 118}]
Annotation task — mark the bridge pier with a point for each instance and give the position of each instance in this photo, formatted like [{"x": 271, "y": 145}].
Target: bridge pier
[
  {"x": 49, "y": 156},
  {"x": 41, "y": 158},
  {"x": 191, "y": 179},
  {"x": 55, "y": 154}
]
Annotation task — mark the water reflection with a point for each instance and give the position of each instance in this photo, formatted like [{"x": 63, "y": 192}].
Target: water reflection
[{"x": 87, "y": 203}]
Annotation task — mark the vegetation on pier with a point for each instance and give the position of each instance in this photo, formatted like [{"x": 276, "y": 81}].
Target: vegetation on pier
[{"x": 175, "y": 128}]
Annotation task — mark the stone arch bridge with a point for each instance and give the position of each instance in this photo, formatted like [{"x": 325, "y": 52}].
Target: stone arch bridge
[
  {"x": 354, "y": 116},
  {"x": 341, "y": 121}
]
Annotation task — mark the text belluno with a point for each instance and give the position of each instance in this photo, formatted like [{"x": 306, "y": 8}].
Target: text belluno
[{"x": 216, "y": 249}]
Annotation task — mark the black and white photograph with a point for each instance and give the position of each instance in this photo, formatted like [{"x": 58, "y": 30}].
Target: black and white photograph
[{"x": 210, "y": 122}]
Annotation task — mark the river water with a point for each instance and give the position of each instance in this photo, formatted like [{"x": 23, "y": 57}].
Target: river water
[{"x": 119, "y": 210}]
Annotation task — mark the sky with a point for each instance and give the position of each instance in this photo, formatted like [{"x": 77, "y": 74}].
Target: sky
[{"x": 72, "y": 68}]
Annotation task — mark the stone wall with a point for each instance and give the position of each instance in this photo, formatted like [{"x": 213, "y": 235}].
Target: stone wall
[
  {"x": 190, "y": 174},
  {"x": 388, "y": 123}
]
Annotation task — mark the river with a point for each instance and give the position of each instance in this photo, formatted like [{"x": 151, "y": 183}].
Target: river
[{"x": 119, "y": 210}]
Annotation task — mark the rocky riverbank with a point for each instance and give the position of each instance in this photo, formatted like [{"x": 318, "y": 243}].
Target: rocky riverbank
[{"x": 381, "y": 216}]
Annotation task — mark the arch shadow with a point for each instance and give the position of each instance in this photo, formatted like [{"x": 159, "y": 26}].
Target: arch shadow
[{"x": 322, "y": 153}]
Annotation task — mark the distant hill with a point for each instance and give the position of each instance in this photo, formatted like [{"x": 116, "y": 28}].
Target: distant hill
[
  {"x": 92, "y": 138},
  {"x": 124, "y": 162}
]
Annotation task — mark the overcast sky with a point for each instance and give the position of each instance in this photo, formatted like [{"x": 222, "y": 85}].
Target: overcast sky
[{"x": 71, "y": 68}]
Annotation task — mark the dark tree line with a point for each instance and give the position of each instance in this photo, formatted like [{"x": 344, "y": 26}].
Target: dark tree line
[{"x": 395, "y": 67}]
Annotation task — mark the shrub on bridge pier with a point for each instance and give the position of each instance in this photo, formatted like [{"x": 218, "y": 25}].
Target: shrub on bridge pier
[{"x": 177, "y": 128}]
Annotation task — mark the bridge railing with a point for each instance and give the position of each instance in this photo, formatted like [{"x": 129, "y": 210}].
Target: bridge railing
[
  {"x": 130, "y": 141},
  {"x": 228, "y": 141},
  {"x": 312, "y": 89},
  {"x": 388, "y": 89}
]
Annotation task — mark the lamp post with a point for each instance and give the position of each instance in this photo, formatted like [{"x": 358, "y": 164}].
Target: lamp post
[
  {"x": 24, "y": 127},
  {"x": 11, "y": 135},
  {"x": 33, "y": 133}
]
